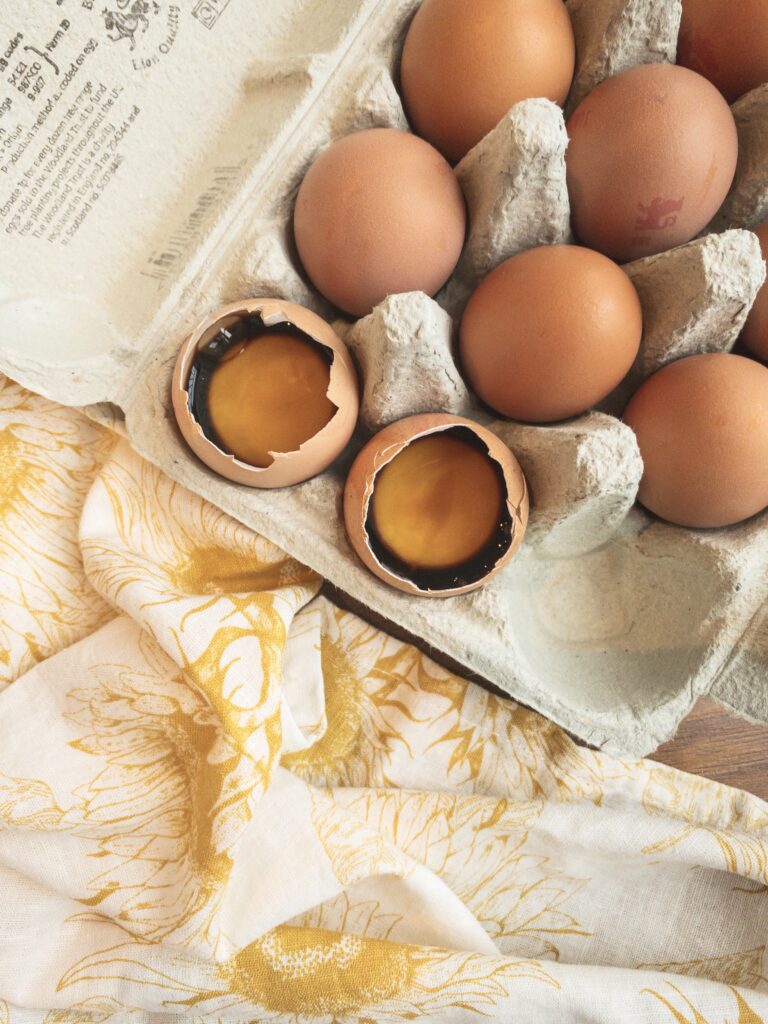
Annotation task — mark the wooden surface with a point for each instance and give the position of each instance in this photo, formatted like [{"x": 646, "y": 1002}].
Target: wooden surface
[{"x": 720, "y": 746}]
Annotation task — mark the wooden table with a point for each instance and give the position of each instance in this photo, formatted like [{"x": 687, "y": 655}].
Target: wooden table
[{"x": 720, "y": 746}]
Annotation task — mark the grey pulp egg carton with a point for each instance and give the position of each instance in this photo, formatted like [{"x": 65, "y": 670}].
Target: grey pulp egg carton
[{"x": 166, "y": 156}]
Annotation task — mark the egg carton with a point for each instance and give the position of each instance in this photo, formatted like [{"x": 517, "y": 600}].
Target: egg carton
[{"x": 608, "y": 621}]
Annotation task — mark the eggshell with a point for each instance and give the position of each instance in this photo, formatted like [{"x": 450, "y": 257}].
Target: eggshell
[
  {"x": 651, "y": 158},
  {"x": 755, "y": 335},
  {"x": 384, "y": 447},
  {"x": 726, "y": 41},
  {"x": 378, "y": 213},
  {"x": 702, "y": 427},
  {"x": 465, "y": 64},
  {"x": 314, "y": 455},
  {"x": 550, "y": 332}
]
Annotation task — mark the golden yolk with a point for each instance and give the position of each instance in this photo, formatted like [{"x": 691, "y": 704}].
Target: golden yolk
[
  {"x": 269, "y": 395},
  {"x": 438, "y": 503}
]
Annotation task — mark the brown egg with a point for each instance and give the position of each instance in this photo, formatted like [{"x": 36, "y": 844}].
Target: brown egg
[
  {"x": 265, "y": 393},
  {"x": 465, "y": 64},
  {"x": 702, "y": 427},
  {"x": 755, "y": 334},
  {"x": 726, "y": 41},
  {"x": 550, "y": 332},
  {"x": 378, "y": 213},
  {"x": 435, "y": 505},
  {"x": 652, "y": 155}
]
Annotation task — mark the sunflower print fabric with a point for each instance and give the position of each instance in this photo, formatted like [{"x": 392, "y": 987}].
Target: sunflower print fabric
[{"x": 224, "y": 799}]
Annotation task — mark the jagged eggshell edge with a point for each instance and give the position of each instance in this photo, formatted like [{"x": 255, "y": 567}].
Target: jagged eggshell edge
[
  {"x": 388, "y": 443},
  {"x": 314, "y": 455}
]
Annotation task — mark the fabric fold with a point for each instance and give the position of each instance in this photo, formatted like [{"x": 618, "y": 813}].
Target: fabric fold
[{"x": 223, "y": 798}]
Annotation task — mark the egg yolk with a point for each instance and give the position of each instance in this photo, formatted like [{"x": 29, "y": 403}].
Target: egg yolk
[
  {"x": 438, "y": 503},
  {"x": 269, "y": 395}
]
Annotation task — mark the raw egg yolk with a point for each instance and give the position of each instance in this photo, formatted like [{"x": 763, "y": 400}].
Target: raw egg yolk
[
  {"x": 269, "y": 395},
  {"x": 438, "y": 503}
]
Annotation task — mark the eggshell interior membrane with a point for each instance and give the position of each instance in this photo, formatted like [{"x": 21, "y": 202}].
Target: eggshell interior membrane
[
  {"x": 382, "y": 450},
  {"x": 465, "y": 64},
  {"x": 313, "y": 455},
  {"x": 702, "y": 427},
  {"x": 550, "y": 332},
  {"x": 378, "y": 213},
  {"x": 726, "y": 41},
  {"x": 755, "y": 335},
  {"x": 651, "y": 158}
]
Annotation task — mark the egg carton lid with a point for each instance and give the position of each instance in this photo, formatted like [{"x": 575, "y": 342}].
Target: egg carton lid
[{"x": 144, "y": 177}]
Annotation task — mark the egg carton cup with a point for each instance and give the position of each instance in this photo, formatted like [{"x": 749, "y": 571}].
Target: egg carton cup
[
  {"x": 608, "y": 621},
  {"x": 613, "y": 35},
  {"x": 747, "y": 205}
]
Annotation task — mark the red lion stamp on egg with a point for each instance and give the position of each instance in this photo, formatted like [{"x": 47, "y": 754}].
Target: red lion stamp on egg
[{"x": 658, "y": 214}]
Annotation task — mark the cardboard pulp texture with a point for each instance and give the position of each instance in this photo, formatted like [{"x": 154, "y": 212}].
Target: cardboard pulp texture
[{"x": 150, "y": 155}]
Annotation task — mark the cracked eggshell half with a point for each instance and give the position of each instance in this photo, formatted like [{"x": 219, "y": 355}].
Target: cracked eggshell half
[
  {"x": 313, "y": 455},
  {"x": 381, "y": 450}
]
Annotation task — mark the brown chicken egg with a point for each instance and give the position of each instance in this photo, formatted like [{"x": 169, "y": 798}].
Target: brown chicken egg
[
  {"x": 466, "y": 63},
  {"x": 378, "y": 213},
  {"x": 755, "y": 335},
  {"x": 702, "y": 427},
  {"x": 265, "y": 393},
  {"x": 651, "y": 158},
  {"x": 550, "y": 332},
  {"x": 435, "y": 505},
  {"x": 726, "y": 41}
]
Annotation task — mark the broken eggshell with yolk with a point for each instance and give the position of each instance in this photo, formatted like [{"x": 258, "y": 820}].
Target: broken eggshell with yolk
[
  {"x": 381, "y": 451},
  {"x": 314, "y": 454}
]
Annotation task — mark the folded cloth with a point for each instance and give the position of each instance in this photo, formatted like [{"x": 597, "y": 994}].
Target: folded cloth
[{"x": 222, "y": 798}]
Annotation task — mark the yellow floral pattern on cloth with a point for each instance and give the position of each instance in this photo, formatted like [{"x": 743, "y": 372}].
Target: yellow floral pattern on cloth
[
  {"x": 299, "y": 974},
  {"x": 734, "y": 823},
  {"x": 225, "y": 799},
  {"x": 49, "y": 458},
  {"x": 744, "y": 969},
  {"x": 683, "y": 1011},
  {"x": 156, "y": 735}
]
